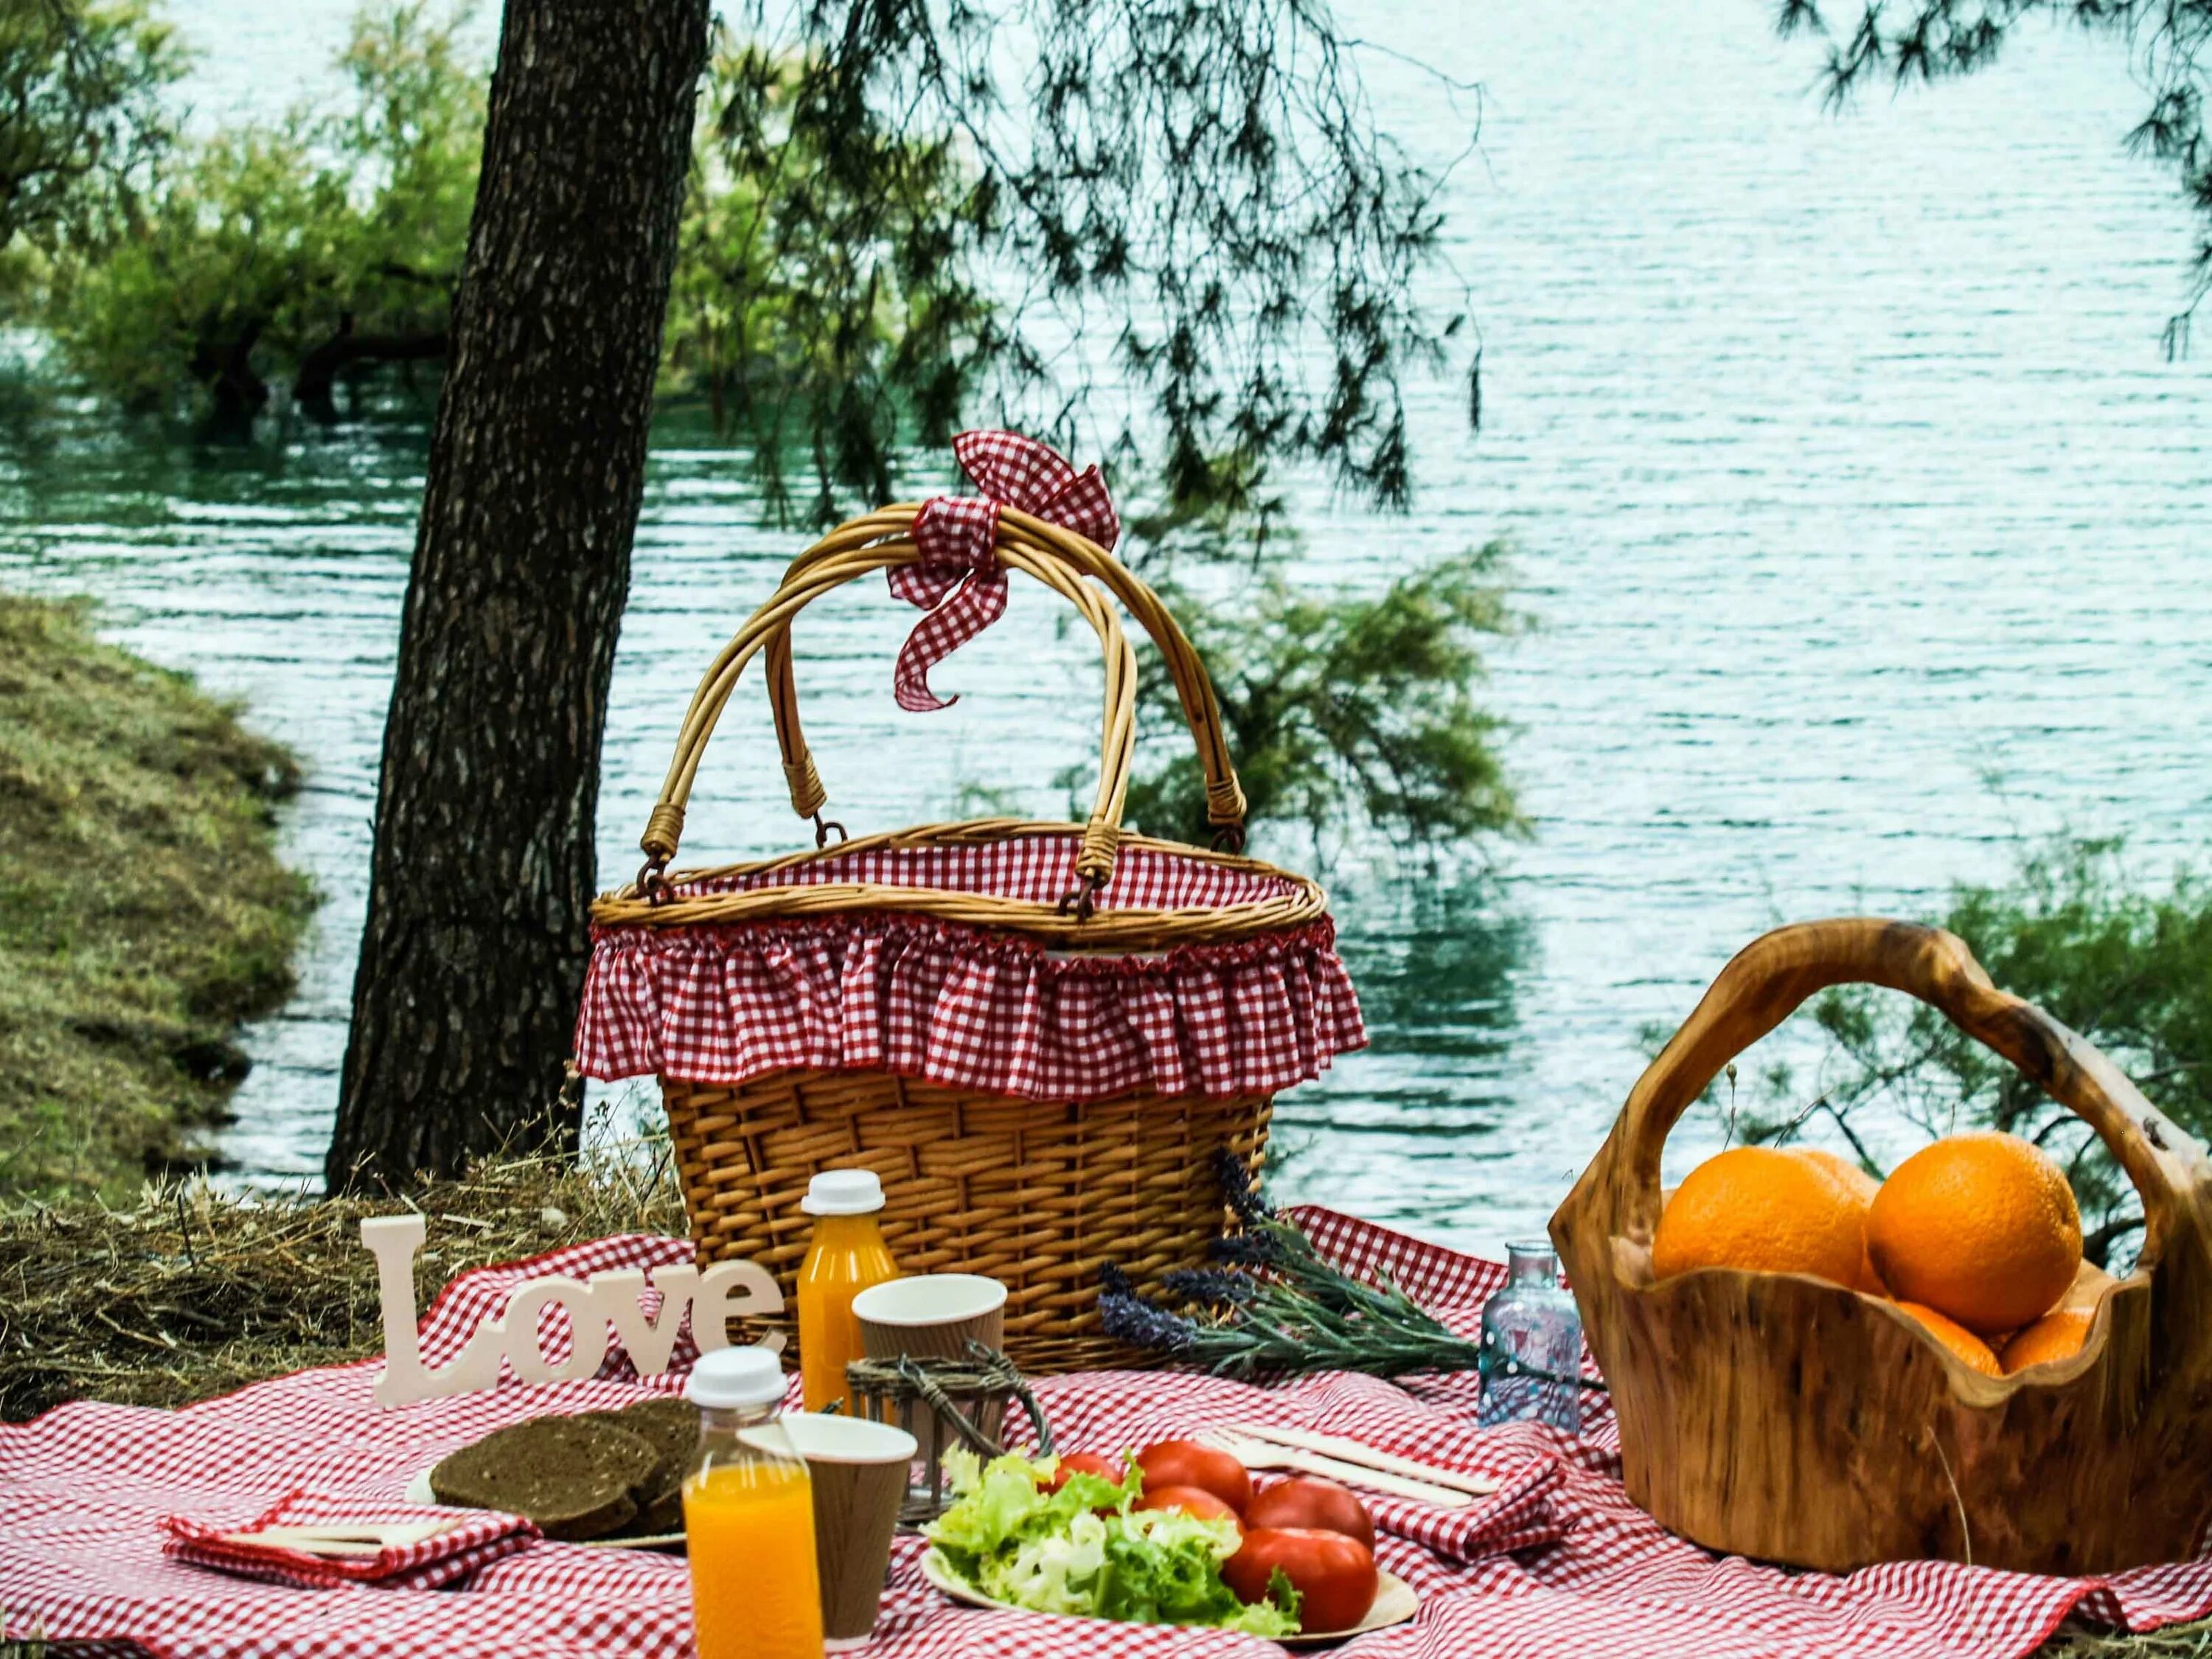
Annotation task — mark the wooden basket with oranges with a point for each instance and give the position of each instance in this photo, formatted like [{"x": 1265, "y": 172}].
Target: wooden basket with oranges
[{"x": 1813, "y": 1369}]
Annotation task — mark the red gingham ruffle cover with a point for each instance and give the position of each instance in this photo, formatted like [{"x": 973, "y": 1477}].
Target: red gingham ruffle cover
[{"x": 967, "y": 1007}]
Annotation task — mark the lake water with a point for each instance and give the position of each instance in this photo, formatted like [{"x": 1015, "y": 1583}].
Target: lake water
[{"x": 1862, "y": 522}]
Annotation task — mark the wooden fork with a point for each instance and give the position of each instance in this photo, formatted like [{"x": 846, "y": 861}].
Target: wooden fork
[
  {"x": 338, "y": 1538},
  {"x": 1256, "y": 1453},
  {"x": 1353, "y": 1451}
]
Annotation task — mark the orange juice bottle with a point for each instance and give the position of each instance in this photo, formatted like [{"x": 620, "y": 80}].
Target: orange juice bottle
[
  {"x": 847, "y": 1255},
  {"x": 749, "y": 1516}
]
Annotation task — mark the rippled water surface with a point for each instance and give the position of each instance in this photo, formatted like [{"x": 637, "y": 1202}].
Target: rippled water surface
[{"x": 1862, "y": 521}]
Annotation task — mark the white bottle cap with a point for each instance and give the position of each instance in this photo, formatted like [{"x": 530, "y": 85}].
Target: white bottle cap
[
  {"x": 730, "y": 1377},
  {"x": 843, "y": 1192}
]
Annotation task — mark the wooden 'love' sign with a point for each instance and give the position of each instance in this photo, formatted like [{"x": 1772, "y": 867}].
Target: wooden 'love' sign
[{"x": 742, "y": 1290}]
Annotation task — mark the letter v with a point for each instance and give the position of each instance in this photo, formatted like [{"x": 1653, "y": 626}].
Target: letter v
[{"x": 649, "y": 1342}]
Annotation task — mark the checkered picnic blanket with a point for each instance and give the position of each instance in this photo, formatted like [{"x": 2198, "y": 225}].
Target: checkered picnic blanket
[{"x": 1556, "y": 1562}]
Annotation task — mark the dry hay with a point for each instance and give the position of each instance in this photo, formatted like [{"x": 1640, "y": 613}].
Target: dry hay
[
  {"x": 2179, "y": 1642},
  {"x": 193, "y": 1292}
]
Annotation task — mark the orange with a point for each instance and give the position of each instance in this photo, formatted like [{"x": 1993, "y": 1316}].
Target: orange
[
  {"x": 1763, "y": 1209},
  {"x": 1862, "y": 1187},
  {"x": 1955, "y": 1337},
  {"x": 2058, "y": 1336},
  {"x": 1982, "y": 1227}
]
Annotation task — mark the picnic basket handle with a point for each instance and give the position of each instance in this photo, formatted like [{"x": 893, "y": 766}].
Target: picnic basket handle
[
  {"x": 1769, "y": 978},
  {"x": 883, "y": 540},
  {"x": 1225, "y": 796}
]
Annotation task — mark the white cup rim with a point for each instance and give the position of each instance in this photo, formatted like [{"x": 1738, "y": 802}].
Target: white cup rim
[
  {"x": 824, "y": 1438},
  {"x": 929, "y": 1299}
]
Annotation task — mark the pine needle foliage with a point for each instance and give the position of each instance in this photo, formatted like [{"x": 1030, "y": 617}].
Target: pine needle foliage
[
  {"x": 1344, "y": 708},
  {"x": 2165, "y": 42},
  {"x": 2074, "y": 932}
]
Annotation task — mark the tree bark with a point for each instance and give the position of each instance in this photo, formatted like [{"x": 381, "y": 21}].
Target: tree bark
[{"x": 465, "y": 995}]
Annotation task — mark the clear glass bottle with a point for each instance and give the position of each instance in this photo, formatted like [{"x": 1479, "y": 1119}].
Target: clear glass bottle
[
  {"x": 846, "y": 1256},
  {"x": 1532, "y": 1345},
  {"x": 749, "y": 1516}
]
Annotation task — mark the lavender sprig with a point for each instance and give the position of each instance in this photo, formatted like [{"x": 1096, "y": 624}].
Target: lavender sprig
[
  {"x": 1278, "y": 1307},
  {"x": 1129, "y": 1317},
  {"x": 1212, "y": 1287}
]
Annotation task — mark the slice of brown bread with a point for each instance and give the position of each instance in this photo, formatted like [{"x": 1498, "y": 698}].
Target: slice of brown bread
[
  {"x": 576, "y": 1477},
  {"x": 670, "y": 1427}
]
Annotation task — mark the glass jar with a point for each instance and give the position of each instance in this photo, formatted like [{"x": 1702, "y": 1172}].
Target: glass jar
[
  {"x": 1532, "y": 1345},
  {"x": 846, "y": 1255},
  {"x": 749, "y": 1516}
]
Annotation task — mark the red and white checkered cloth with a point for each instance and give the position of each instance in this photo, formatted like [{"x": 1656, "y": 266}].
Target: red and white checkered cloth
[
  {"x": 968, "y": 1008},
  {"x": 957, "y": 538},
  {"x": 1558, "y": 1562},
  {"x": 228, "y": 1542}
]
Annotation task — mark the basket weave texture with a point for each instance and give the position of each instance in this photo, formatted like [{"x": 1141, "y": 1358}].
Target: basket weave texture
[
  {"x": 1039, "y": 1036},
  {"x": 1031, "y": 1192}
]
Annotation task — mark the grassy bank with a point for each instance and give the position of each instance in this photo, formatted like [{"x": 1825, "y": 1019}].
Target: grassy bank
[{"x": 143, "y": 913}]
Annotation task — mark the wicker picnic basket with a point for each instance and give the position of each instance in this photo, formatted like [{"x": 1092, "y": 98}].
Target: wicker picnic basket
[
  {"x": 1780, "y": 1416},
  {"x": 1038, "y": 1034}
]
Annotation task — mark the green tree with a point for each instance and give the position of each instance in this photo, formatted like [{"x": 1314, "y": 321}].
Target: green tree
[
  {"x": 2073, "y": 933},
  {"x": 1343, "y": 708},
  {"x": 298, "y": 248},
  {"x": 484, "y": 865},
  {"x": 815, "y": 305},
  {"x": 1178, "y": 238},
  {"x": 82, "y": 118},
  {"x": 2165, "y": 42}
]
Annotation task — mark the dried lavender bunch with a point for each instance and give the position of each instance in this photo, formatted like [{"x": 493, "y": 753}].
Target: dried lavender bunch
[
  {"x": 1278, "y": 1307},
  {"x": 1212, "y": 1286}
]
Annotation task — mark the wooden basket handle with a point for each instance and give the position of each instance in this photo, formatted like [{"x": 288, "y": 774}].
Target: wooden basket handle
[
  {"x": 1769, "y": 978},
  {"x": 1225, "y": 796},
  {"x": 878, "y": 541}
]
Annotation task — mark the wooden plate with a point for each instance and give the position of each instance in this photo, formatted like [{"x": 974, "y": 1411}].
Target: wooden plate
[
  {"x": 1395, "y": 1602},
  {"x": 418, "y": 1492}
]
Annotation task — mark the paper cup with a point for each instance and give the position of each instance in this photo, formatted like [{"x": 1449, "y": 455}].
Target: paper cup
[
  {"x": 859, "y": 1473},
  {"x": 931, "y": 1317}
]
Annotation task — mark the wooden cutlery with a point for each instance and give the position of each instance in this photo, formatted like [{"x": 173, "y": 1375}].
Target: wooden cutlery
[{"x": 1347, "y": 1461}]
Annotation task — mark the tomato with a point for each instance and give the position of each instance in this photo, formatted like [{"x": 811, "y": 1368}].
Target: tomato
[
  {"x": 1191, "y": 1500},
  {"x": 1080, "y": 1463},
  {"x": 1335, "y": 1575},
  {"x": 1187, "y": 1463},
  {"x": 1318, "y": 1505},
  {"x": 1084, "y": 1463}
]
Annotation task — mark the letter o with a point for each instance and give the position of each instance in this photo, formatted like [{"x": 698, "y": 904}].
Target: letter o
[{"x": 587, "y": 1326}]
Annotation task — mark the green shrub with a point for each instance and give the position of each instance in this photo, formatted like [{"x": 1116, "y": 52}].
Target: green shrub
[{"x": 2127, "y": 966}]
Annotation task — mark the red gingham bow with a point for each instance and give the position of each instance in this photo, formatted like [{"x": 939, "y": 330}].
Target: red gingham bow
[{"x": 957, "y": 538}]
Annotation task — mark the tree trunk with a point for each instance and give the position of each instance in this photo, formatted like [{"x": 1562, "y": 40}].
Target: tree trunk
[
  {"x": 474, "y": 953},
  {"x": 318, "y": 370},
  {"x": 236, "y": 390}
]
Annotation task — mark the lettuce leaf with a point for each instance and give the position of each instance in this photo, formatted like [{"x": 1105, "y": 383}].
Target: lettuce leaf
[{"x": 1055, "y": 1552}]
